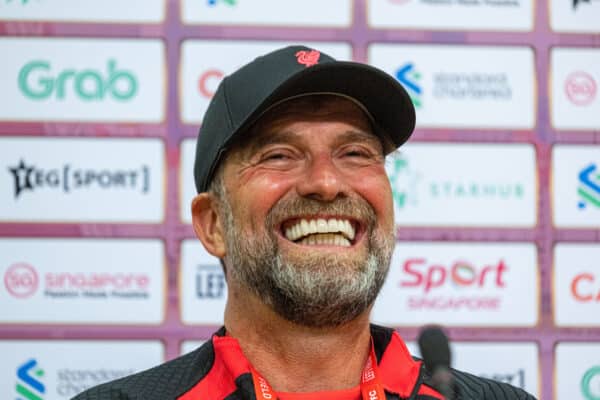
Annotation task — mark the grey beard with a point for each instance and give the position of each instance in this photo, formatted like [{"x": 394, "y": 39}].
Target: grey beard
[{"x": 321, "y": 290}]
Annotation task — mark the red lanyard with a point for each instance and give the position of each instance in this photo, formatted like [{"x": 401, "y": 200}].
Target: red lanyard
[{"x": 370, "y": 382}]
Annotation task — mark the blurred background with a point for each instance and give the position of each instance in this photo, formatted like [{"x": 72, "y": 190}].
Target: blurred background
[{"x": 497, "y": 194}]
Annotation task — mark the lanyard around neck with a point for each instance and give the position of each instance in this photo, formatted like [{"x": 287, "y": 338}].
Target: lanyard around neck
[{"x": 370, "y": 382}]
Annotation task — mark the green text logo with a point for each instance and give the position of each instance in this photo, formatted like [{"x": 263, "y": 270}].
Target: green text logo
[
  {"x": 590, "y": 383},
  {"x": 404, "y": 181},
  {"x": 37, "y": 82}
]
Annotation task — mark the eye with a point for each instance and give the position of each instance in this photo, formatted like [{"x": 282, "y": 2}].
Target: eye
[
  {"x": 275, "y": 156},
  {"x": 358, "y": 152}
]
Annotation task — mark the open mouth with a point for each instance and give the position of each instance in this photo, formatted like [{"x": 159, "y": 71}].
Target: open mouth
[{"x": 321, "y": 231}]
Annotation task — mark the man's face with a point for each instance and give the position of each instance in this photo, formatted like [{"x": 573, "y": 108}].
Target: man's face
[{"x": 308, "y": 212}]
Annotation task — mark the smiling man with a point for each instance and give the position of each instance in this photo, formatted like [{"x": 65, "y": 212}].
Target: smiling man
[{"x": 295, "y": 202}]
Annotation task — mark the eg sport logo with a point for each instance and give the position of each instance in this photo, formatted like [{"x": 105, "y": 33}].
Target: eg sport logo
[
  {"x": 37, "y": 81},
  {"x": 28, "y": 177},
  {"x": 589, "y": 187},
  {"x": 29, "y": 384}
]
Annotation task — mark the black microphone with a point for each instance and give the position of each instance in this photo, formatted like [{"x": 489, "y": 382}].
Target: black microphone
[{"x": 435, "y": 350}]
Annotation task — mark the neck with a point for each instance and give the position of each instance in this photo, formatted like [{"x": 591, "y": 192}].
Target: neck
[{"x": 296, "y": 358}]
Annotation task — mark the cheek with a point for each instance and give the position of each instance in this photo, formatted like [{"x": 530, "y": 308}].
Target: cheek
[
  {"x": 376, "y": 190},
  {"x": 256, "y": 197}
]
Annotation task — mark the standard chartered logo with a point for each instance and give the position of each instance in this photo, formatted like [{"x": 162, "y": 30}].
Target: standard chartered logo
[
  {"x": 29, "y": 385},
  {"x": 37, "y": 81},
  {"x": 590, "y": 383}
]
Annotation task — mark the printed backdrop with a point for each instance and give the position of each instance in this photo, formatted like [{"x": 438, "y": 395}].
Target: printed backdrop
[{"x": 497, "y": 195}]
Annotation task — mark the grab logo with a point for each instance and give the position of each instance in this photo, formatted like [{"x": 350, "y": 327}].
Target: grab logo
[
  {"x": 38, "y": 82},
  {"x": 460, "y": 274}
]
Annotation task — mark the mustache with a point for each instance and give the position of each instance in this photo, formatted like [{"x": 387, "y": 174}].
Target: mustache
[{"x": 303, "y": 206}]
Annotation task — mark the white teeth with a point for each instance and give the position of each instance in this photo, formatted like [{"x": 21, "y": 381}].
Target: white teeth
[
  {"x": 336, "y": 228},
  {"x": 326, "y": 239}
]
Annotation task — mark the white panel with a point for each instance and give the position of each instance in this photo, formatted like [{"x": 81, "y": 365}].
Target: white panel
[
  {"x": 83, "y": 80},
  {"x": 576, "y": 284},
  {"x": 464, "y": 86},
  {"x": 576, "y": 186},
  {"x": 450, "y": 184},
  {"x": 460, "y": 284},
  {"x": 82, "y": 180},
  {"x": 82, "y": 281}
]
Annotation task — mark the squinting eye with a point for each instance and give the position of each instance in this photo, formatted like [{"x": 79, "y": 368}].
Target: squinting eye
[
  {"x": 357, "y": 153},
  {"x": 275, "y": 156}
]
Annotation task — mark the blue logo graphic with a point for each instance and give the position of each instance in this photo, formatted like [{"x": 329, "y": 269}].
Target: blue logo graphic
[
  {"x": 29, "y": 386},
  {"x": 228, "y": 2},
  {"x": 409, "y": 77},
  {"x": 589, "y": 187}
]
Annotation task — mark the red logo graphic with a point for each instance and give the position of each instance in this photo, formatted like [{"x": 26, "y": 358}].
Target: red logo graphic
[
  {"x": 308, "y": 58},
  {"x": 580, "y": 88},
  {"x": 460, "y": 274},
  {"x": 21, "y": 280},
  {"x": 585, "y": 288},
  {"x": 208, "y": 82},
  {"x": 430, "y": 278}
]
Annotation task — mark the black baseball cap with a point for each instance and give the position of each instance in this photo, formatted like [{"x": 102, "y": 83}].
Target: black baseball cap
[{"x": 293, "y": 71}]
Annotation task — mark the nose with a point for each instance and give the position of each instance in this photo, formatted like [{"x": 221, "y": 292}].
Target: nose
[{"x": 322, "y": 180}]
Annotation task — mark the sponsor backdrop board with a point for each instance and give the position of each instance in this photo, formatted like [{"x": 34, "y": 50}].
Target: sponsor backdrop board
[
  {"x": 497, "y": 196},
  {"x": 451, "y": 184},
  {"x": 574, "y": 88},
  {"x": 464, "y": 86},
  {"x": 131, "y": 11},
  {"x": 75, "y": 79},
  {"x": 576, "y": 284},
  {"x": 459, "y": 15},
  {"x": 60, "y": 369},
  {"x": 500, "y": 362},
  {"x": 576, "y": 186},
  {"x": 577, "y": 371},
  {"x": 202, "y": 286},
  {"x": 82, "y": 180},
  {"x": 188, "y": 346},
  {"x": 307, "y": 13},
  {"x": 460, "y": 284},
  {"x": 83, "y": 281}
]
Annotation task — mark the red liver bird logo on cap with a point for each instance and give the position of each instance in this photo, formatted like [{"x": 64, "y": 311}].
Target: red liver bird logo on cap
[{"x": 308, "y": 58}]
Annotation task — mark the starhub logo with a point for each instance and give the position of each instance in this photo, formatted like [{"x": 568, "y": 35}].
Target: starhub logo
[
  {"x": 404, "y": 181},
  {"x": 410, "y": 78},
  {"x": 29, "y": 384},
  {"x": 38, "y": 81},
  {"x": 589, "y": 187}
]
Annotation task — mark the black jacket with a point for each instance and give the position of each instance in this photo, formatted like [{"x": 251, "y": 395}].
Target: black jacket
[{"x": 214, "y": 372}]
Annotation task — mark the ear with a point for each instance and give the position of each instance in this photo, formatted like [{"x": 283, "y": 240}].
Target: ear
[{"x": 207, "y": 224}]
